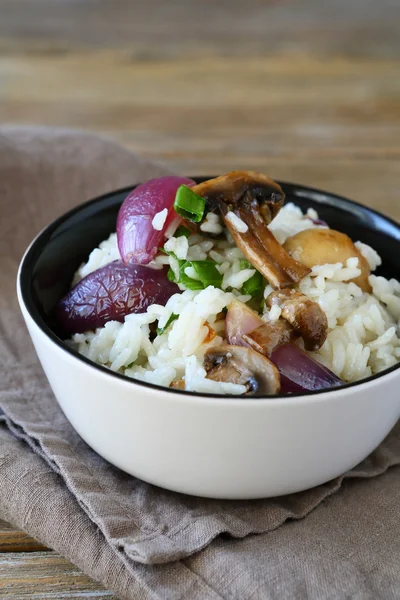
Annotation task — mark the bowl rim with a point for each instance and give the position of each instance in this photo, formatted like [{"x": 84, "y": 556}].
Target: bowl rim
[{"x": 34, "y": 249}]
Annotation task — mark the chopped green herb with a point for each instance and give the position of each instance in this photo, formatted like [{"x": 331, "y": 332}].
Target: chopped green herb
[
  {"x": 245, "y": 264},
  {"x": 182, "y": 231},
  {"x": 253, "y": 286},
  {"x": 171, "y": 275},
  {"x": 189, "y": 205},
  {"x": 188, "y": 282},
  {"x": 160, "y": 330},
  {"x": 207, "y": 272}
]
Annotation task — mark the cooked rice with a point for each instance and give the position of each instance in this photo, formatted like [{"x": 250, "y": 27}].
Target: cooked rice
[
  {"x": 363, "y": 328},
  {"x": 159, "y": 219},
  {"x": 237, "y": 222}
]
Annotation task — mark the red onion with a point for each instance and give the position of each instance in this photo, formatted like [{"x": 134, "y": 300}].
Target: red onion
[
  {"x": 299, "y": 372},
  {"x": 240, "y": 319},
  {"x": 318, "y": 222},
  {"x": 138, "y": 241},
  {"x": 111, "y": 293}
]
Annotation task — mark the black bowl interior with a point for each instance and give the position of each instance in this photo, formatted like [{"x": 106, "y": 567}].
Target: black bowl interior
[{"x": 53, "y": 258}]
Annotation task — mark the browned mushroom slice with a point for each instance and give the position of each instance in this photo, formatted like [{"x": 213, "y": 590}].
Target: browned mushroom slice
[
  {"x": 270, "y": 335},
  {"x": 231, "y": 188},
  {"x": 255, "y": 199},
  {"x": 303, "y": 314},
  {"x": 250, "y": 214},
  {"x": 257, "y": 255},
  {"x": 244, "y": 366}
]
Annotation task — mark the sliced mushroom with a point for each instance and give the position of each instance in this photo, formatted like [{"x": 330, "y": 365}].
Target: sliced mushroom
[
  {"x": 303, "y": 314},
  {"x": 255, "y": 199},
  {"x": 269, "y": 336},
  {"x": 300, "y": 316},
  {"x": 326, "y": 246},
  {"x": 244, "y": 366},
  {"x": 231, "y": 188}
]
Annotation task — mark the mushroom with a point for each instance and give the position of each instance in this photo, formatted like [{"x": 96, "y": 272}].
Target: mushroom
[
  {"x": 244, "y": 366},
  {"x": 247, "y": 202},
  {"x": 300, "y": 316},
  {"x": 269, "y": 336},
  {"x": 321, "y": 246},
  {"x": 304, "y": 315}
]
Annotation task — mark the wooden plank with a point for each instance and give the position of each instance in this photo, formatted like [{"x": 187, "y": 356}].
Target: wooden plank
[
  {"x": 155, "y": 28},
  {"x": 45, "y": 576},
  {"x": 14, "y": 540},
  {"x": 332, "y": 123}
]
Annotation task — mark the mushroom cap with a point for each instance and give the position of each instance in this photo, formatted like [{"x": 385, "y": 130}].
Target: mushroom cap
[
  {"x": 241, "y": 365},
  {"x": 313, "y": 247},
  {"x": 233, "y": 187}
]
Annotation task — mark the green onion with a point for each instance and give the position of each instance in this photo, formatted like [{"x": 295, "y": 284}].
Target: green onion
[
  {"x": 160, "y": 330},
  {"x": 189, "y": 205},
  {"x": 245, "y": 264},
  {"x": 253, "y": 286},
  {"x": 182, "y": 231},
  {"x": 207, "y": 272},
  {"x": 171, "y": 275},
  {"x": 188, "y": 282}
]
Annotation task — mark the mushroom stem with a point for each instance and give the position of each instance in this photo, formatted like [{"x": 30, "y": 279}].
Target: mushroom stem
[
  {"x": 256, "y": 254},
  {"x": 252, "y": 217},
  {"x": 303, "y": 314},
  {"x": 269, "y": 336}
]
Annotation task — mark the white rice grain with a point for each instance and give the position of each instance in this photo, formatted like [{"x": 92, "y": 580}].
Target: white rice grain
[
  {"x": 236, "y": 222},
  {"x": 212, "y": 224},
  {"x": 178, "y": 246},
  {"x": 159, "y": 219}
]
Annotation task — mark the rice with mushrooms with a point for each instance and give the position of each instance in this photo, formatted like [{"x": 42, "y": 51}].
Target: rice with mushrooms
[{"x": 363, "y": 327}]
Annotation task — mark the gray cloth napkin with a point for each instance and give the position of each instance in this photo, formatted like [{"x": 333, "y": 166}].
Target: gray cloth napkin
[{"x": 138, "y": 539}]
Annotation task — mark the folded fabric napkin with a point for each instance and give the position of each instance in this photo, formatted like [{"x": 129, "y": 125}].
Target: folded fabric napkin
[{"x": 140, "y": 540}]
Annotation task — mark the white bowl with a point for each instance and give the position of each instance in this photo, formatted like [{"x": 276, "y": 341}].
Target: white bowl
[{"x": 218, "y": 447}]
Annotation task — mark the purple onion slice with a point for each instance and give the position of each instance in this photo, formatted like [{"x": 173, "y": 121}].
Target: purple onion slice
[
  {"x": 300, "y": 373},
  {"x": 138, "y": 239},
  {"x": 111, "y": 293}
]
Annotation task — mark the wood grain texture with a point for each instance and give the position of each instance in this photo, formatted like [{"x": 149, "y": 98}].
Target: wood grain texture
[
  {"x": 14, "y": 540},
  {"x": 153, "y": 29},
  {"x": 45, "y": 576},
  {"x": 334, "y": 125},
  {"x": 305, "y": 91},
  {"x": 308, "y": 92}
]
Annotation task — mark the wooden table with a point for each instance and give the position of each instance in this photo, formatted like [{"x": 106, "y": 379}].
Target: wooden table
[{"x": 308, "y": 92}]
